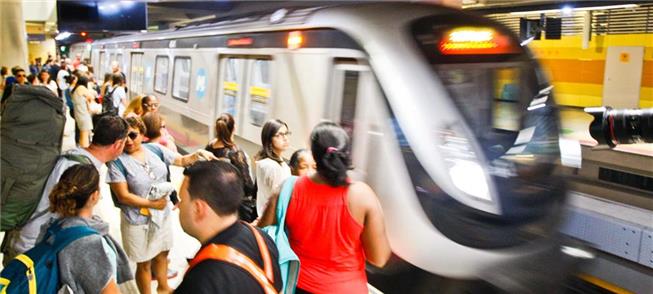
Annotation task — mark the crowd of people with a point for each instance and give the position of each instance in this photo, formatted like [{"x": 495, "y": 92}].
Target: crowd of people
[{"x": 334, "y": 224}]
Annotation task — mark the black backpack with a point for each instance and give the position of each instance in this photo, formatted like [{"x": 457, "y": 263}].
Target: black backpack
[{"x": 107, "y": 104}]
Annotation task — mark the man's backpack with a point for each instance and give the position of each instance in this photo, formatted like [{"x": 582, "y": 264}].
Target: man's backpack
[
  {"x": 107, "y": 103},
  {"x": 31, "y": 132},
  {"x": 221, "y": 252},
  {"x": 37, "y": 270}
]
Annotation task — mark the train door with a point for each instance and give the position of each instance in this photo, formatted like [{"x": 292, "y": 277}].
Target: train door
[
  {"x": 246, "y": 93},
  {"x": 136, "y": 74},
  {"x": 354, "y": 91},
  {"x": 102, "y": 64}
]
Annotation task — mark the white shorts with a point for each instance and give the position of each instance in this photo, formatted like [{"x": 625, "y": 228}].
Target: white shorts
[{"x": 143, "y": 242}]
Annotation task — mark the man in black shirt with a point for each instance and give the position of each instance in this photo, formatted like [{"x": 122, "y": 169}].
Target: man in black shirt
[{"x": 210, "y": 196}]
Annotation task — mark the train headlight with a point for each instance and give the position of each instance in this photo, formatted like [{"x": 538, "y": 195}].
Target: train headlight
[
  {"x": 470, "y": 182},
  {"x": 468, "y": 176}
]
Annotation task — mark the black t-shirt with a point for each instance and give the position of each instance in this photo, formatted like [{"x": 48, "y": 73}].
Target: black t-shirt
[{"x": 213, "y": 276}]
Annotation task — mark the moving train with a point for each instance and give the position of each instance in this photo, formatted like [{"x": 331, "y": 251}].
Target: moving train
[{"x": 453, "y": 123}]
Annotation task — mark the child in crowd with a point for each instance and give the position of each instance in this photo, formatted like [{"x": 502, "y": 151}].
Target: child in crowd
[{"x": 301, "y": 163}]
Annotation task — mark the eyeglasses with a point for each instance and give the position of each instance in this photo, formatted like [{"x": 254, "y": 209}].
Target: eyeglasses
[
  {"x": 286, "y": 134},
  {"x": 155, "y": 105},
  {"x": 20, "y": 76},
  {"x": 133, "y": 135}
]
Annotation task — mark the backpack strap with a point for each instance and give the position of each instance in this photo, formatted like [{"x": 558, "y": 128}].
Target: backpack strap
[
  {"x": 66, "y": 236},
  {"x": 156, "y": 150},
  {"x": 83, "y": 159},
  {"x": 265, "y": 253},
  {"x": 230, "y": 255},
  {"x": 120, "y": 166}
]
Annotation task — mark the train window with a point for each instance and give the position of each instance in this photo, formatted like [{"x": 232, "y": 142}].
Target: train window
[
  {"x": 136, "y": 74},
  {"x": 230, "y": 85},
  {"x": 349, "y": 95},
  {"x": 119, "y": 58},
  {"x": 259, "y": 92},
  {"x": 161, "y": 74},
  {"x": 181, "y": 78}
]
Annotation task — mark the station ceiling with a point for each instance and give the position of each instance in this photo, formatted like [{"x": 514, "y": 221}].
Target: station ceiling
[{"x": 164, "y": 13}]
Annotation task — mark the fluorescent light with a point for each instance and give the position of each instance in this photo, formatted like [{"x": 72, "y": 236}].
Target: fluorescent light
[
  {"x": 62, "y": 36},
  {"x": 577, "y": 9}
]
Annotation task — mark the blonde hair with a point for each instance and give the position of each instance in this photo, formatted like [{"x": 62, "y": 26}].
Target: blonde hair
[
  {"x": 73, "y": 190},
  {"x": 134, "y": 106}
]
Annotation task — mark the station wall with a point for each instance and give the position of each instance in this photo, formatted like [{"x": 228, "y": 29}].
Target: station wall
[{"x": 578, "y": 74}]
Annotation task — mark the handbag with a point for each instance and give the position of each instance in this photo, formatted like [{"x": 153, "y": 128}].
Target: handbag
[{"x": 288, "y": 260}]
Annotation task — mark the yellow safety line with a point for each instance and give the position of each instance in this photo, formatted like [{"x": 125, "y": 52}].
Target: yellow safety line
[
  {"x": 30, "y": 273},
  {"x": 603, "y": 284}
]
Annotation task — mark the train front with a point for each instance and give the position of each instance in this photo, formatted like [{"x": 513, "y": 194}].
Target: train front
[{"x": 465, "y": 172}]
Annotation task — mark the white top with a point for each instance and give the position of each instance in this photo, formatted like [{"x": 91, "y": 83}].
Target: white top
[
  {"x": 61, "y": 79},
  {"x": 269, "y": 175}
]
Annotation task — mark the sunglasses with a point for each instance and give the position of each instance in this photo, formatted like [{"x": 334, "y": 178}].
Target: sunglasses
[
  {"x": 133, "y": 135},
  {"x": 20, "y": 76}
]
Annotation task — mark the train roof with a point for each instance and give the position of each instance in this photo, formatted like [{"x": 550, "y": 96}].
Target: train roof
[{"x": 291, "y": 15}]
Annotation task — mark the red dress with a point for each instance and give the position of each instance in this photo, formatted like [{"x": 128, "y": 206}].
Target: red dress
[{"x": 326, "y": 238}]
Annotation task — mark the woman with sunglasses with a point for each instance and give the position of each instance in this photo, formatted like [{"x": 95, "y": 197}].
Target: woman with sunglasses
[
  {"x": 145, "y": 222},
  {"x": 271, "y": 167}
]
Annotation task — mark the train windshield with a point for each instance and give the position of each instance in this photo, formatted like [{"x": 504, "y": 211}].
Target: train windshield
[{"x": 504, "y": 188}]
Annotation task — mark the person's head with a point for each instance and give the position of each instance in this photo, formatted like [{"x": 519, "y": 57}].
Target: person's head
[
  {"x": 38, "y": 60},
  {"x": 149, "y": 103},
  {"x": 116, "y": 79},
  {"x": 21, "y": 76},
  {"x": 301, "y": 162},
  {"x": 31, "y": 79},
  {"x": 82, "y": 78},
  {"x": 44, "y": 76},
  {"x": 224, "y": 129},
  {"x": 210, "y": 194},
  {"x": 77, "y": 189},
  {"x": 71, "y": 79},
  {"x": 153, "y": 125},
  {"x": 135, "y": 135},
  {"x": 331, "y": 147},
  {"x": 109, "y": 133},
  {"x": 107, "y": 78},
  {"x": 115, "y": 67},
  {"x": 274, "y": 140},
  {"x": 134, "y": 106},
  {"x": 4, "y": 71}
]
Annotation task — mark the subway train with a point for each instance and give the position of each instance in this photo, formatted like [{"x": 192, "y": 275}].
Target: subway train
[{"x": 452, "y": 121}]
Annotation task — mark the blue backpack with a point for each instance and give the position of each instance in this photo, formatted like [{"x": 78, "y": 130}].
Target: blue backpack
[{"x": 37, "y": 270}]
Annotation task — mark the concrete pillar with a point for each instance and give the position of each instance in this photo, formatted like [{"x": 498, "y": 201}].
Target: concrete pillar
[{"x": 13, "y": 37}]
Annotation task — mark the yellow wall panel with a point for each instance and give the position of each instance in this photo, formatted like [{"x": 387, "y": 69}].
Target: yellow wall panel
[{"x": 578, "y": 73}]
